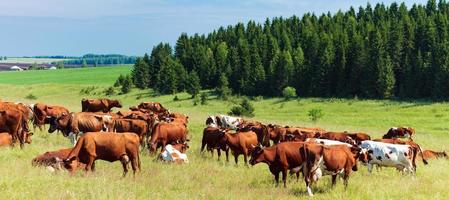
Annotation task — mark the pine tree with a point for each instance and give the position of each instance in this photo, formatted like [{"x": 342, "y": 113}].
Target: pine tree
[
  {"x": 193, "y": 86},
  {"x": 140, "y": 74},
  {"x": 167, "y": 79}
]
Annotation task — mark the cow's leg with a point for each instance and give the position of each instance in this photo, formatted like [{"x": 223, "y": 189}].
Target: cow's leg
[
  {"x": 346, "y": 177},
  {"x": 334, "y": 179},
  {"x": 124, "y": 160},
  {"x": 284, "y": 177},
  {"x": 203, "y": 144},
  {"x": 218, "y": 153},
  {"x": 93, "y": 167},
  {"x": 370, "y": 168},
  {"x": 307, "y": 179},
  {"x": 276, "y": 178},
  {"x": 236, "y": 157},
  {"x": 90, "y": 163},
  {"x": 227, "y": 155},
  {"x": 245, "y": 158}
]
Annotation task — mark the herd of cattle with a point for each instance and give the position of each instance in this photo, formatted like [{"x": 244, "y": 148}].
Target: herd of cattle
[{"x": 98, "y": 133}]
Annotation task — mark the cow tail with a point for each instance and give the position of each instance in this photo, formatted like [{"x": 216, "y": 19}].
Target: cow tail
[
  {"x": 76, "y": 150},
  {"x": 422, "y": 155},
  {"x": 306, "y": 162}
]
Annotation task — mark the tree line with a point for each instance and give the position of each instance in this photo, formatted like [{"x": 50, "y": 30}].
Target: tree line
[
  {"x": 372, "y": 52},
  {"x": 95, "y": 60}
]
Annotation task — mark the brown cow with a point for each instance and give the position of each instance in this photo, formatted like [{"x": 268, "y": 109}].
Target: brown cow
[
  {"x": 136, "y": 126},
  {"x": 179, "y": 118},
  {"x": 166, "y": 133},
  {"x": 43, "y": 112},
  {"x": 77, "y": 122},
  {"x": 99, "y": 105},
  {"x": 6, "y": 139},
  {"x": 400, "y": 132},
  {"x": 211, "y": 139},
  {"x": 338, "y": 136},
  {"x": 240, "y": 143},
  {"x": 134, "y": 115},
  {"x": 359, "y": 137},
  {"x": 13, "y": 122},
  {"x": 53, "y": 160},
  {"x": 279, "y": 158},
  {"x": 154, "y": 107},
  {"x": 105, "y": 146},
  {"x": 429, "y": 154},
  {"x": 335, "y": 159}
]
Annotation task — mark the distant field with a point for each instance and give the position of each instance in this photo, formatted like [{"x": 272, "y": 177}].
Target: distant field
[
  {"x": 84, "y": 76},
  {"x": 204, "y": 177},
  {"x": 31, "y": 60}
]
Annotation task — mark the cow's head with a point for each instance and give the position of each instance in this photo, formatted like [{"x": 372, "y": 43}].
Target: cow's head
[
  {"x": 365, "y": 155},
  {"x": 116, "y": 103},
  {"x": 180, "y": 146},
  {"x": 256, "y": 155},
  {"x": 60, "y": 123}
]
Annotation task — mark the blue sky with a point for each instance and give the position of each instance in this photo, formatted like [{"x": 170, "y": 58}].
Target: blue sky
[{"x": 133, "y": 27}]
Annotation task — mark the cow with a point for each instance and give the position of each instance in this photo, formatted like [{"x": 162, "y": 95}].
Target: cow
[
  {"x": 327, "y": 142},
  {"x": 53, "y": 160},
  {"x": 179, "y": 118},
  {"x": 261, "y": 131},
  {"x": 165, "y": 133},
  {"x": 105, "y": 146},
  {"x": 211, "y": 140},
  {"x": 43, "y": 112},
  {"x": 429, "y": 154},
  {"x": 173, "y": 153},
  {"x": 13, "y": 122},
  {"x": 359, "y": 137},
  {"x": 279, "y": 158},
  {"x": 74, "y": 123},
  {"x": 287, "y": 133},
  {"x": 402, "y": 157},
  {"x": 155, "y": 108},
  {"x": 6, "y": 139},
  {"x": 136, "y": 126},
  {"x": 338, "y": 136},
  {"x": 412, "y": 144},
  {"x": 134, "y": 115},
  {"x": 401, "y": 132},
  {"x": 99, "y": 105},
  {"x": 333, "y": 160},
  {"x": 240, "y": 143},
  {"x": 224, "y": 122}
]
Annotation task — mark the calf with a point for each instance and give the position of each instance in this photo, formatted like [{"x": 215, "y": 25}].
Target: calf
[
  {"x": 279, "y": 158},
  {"x": 105, "y": 146},
  {"x": 335, "y": 159},
  {"x": 429, "y": 154},
  {"x": 174, "y": 153},
  {"x": 240, "y": 143},
  {"x": 389, "y": 155},
  {"x": 211, "y": 140},
  {"x": 53, "y": 160}
]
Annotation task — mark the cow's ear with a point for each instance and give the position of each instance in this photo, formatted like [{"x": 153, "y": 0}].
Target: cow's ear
[
  {"x": 30, "y": 133},
  {"x": 98, "y": 117},
  {"x": 370, "y": 151},
  {"x": 48, "y": 107}
]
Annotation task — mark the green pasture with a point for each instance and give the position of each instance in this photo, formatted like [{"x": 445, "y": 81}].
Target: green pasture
[{"x": 205, "y": 177}]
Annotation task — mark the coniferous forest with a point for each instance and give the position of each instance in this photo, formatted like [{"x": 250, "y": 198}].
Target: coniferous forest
[{"x": 379, "y": 51}]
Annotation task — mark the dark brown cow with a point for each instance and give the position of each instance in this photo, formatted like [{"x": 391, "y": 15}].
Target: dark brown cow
[
  {"x": 429, "y": 154},
  {"x": 279, "y": 158},
  {"x": 240, "y": 143},
  {"x": 335, "y": 159},
  {"x": 166, "y": 133},
  {"x": 54, "y": 159},
  {"x": 105, "y": 146},
  {"x": 154, "y": 107},
  {"x": 13, "y": 122},
  {"x": 136, "y": 126},
  {"x": 78, "y": 122},
  {"x": 99, "y": 105},
  {"x": 6, "y": 139},
  {"x": 43, "y": 112},
  {"x": 400, "y": 132},
  {"x": 359, "y": 137},
  {"x": 338, "y": 136},
  {"x": 211, "y": 140}
]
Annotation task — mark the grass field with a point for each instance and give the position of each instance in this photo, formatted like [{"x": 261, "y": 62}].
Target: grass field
[{"x": 204, "y": 177}]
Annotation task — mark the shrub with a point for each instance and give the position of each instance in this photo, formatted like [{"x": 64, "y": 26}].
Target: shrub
[
  {"x": 244, "y": 109},
  {"x": 31, "y": 97},
  {"x": 203, "y": 98},
  {"x": 109, "y": 91},
  {"x": 176, "y": 98},
  {"x": 196, "y": 100},
  {"x": 289, "y": 93},
  {"x": 127, "y": 84},
  {"x": 119, "y": 81},
  {"x": 315, "y": 114}
]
